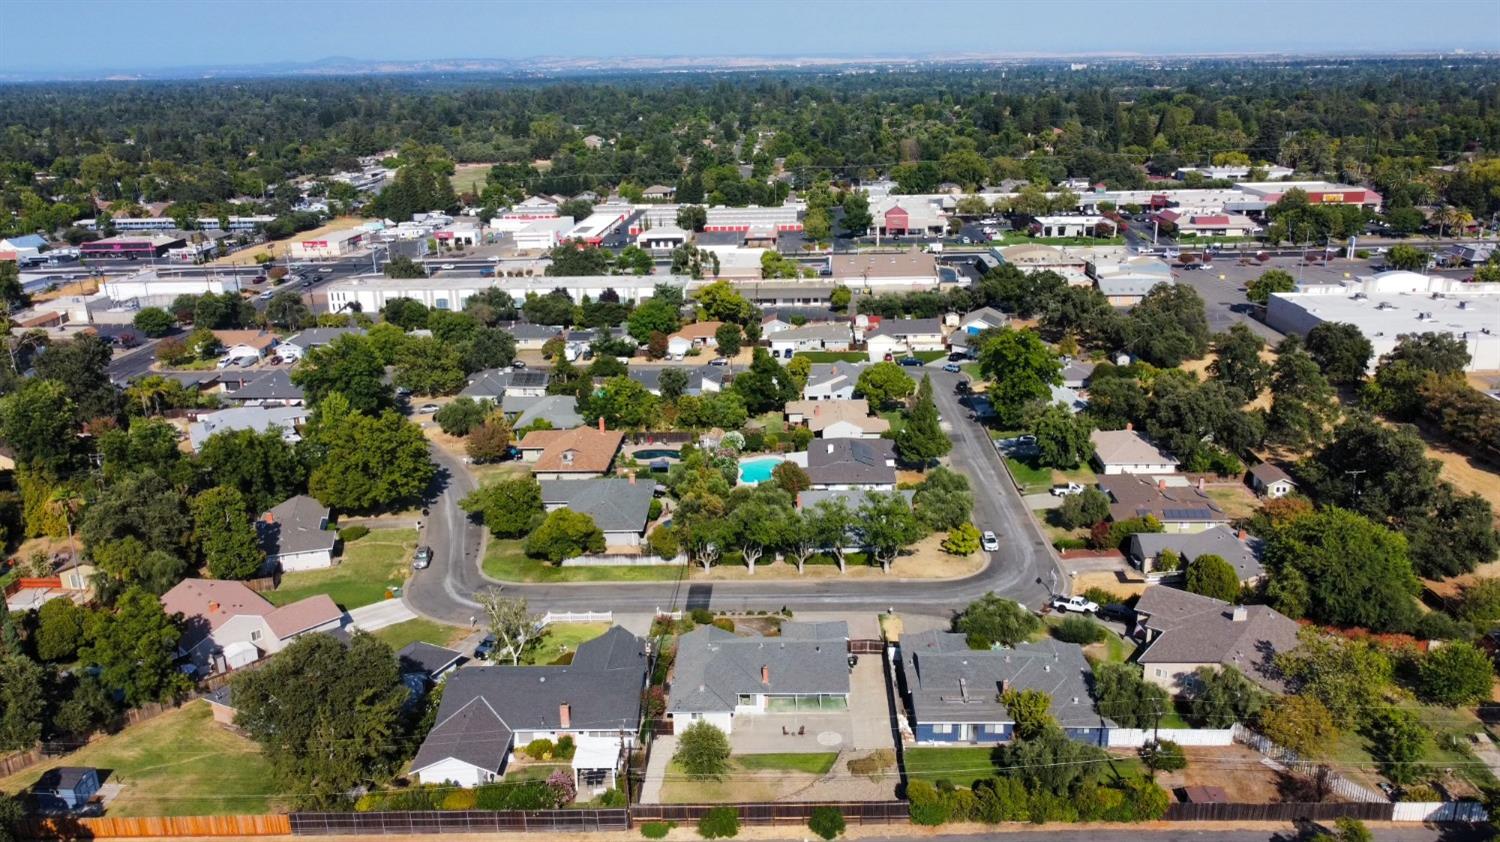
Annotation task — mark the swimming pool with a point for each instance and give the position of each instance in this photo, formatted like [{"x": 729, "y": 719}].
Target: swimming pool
[
  {"x": 753, "y": 471},
  {"x": 657, "y": 454}
]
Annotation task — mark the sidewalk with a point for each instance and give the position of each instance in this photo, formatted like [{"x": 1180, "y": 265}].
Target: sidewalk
[
  {"x": 662, "y": 749},
  {"x": 381, "y": 614}
]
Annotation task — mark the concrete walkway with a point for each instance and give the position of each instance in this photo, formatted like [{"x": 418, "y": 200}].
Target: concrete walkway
[
  {"x": 381, "y": 614},
  {"x": 662, "y": 750}
]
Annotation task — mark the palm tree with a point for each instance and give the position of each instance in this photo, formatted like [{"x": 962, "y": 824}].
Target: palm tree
[
  {"x": 65, "y": 502},
  {"x": 150, "y": 391},
  {"x": 1453, "y": 217}
]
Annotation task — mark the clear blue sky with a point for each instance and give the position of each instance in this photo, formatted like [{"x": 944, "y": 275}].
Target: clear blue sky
[{"x": 38, "y": 36}]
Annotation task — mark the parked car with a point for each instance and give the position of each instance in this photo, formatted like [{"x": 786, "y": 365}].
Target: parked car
[
  {"x": 989, "y": 541},
  {"x": 909, "y": 361},
  {"x": 1075, "y": 604},
  {"x": 1067, "y": 489},
  {"x": 485, "y": 647},
  {"x": 258, "y": 279},
  {"x": 518, "y": 365},
  {"x": 427, "y": 409},
  {"x": 951, "y": 368},
  {"x": 1117, "y": 612},
  {"x": 326, "y": 270},
  {"x": 422, "y": 559},
  {"x": 719, "y": 361},
  {"x": 961, "y": 387},
  {"x": 957, "y": 357},
  {"x": 267, "y": 295},
  {"x": 448, "y": 266}
]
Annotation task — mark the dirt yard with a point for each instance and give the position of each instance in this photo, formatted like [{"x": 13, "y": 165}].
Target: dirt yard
[
  {"x": 1110, "y": 580},
  {"x": 1236, "y": 768},
  {"x": 278, "y": 248},
  {"x": 88, "y": 286}
]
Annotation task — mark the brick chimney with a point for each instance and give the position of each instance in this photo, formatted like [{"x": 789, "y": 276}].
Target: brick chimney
[
  {"x": 213, "y": 607},
  {"x": 1161, "y": 484},
  {"x": 1129, "y": 426},
  {"x": 564, "y": 715},
  {"x": 1242, "y": 534},
  {"x": 601, "y": 423},
  {"x": 765, "y": 674},
  {"x": 268, "y": 518}
]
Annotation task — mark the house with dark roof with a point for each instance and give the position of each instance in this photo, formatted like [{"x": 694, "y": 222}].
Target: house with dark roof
[
  {"x": 560, "y": 412},
  {"x": 488, "y": 711},
  {"x": 719, "y": 675},
  {"x": 619, "y": 507},
  {"x": 1242, "y": 550},
  {"x": 296, "y": 346},
  {"x": 225, "y": 625},
  {"x": 702, "y": 379},
  {"x": 954, "y": 693},
  {"x": 1185, "y": 631},
  {"x": 1271, "y": 481},
  {"x": 828, "y": 336},
  {"x": 428, "y": 661},
  {"x": 867, "y": 464},
  {"x": 295, "y": 535},
  {"x": 273, "y": 389},
  {"x": 1180, "y": 507}
]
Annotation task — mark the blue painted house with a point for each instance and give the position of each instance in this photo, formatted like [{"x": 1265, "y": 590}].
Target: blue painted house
[
  {"x": 70, "y": 786},
  {"x": 953, "y": 692}
]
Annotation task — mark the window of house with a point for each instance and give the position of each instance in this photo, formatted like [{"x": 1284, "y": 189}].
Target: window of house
[
  {"x": 942, "y": 728},
  {"x": 747, "y": 699},
  {"x": 255, "y": 635}
]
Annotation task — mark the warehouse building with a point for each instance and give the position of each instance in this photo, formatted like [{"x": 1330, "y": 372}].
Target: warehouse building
[
  {"x": 335, "y": 244},
  {"x": 1387, "y": 305},
  {"x": 150, "y": 285},
  {"x": 449, "y": 291}
]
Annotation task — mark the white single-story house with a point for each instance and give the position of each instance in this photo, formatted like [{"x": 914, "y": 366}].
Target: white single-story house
[{"x": 295, "y": 535}]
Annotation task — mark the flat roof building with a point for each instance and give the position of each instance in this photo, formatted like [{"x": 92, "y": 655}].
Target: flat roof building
[
  {"x": 449, "y": 291},
  {"x": 1387, "y": 305},
  {"x": 333, "y": 244},
  {"x": 151, "y": 285},
  {"x": 133, "y": 245},
  {"x": 1318, "y": 192},
  {"x": 911, "y": 269}
]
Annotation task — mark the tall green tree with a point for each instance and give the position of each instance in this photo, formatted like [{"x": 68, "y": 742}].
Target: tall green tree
[
  {"x": 888, "y": 527},
  {"x": 135, "y": 648},
  {"x": 1338, "y": 567},
  {"x": 921, "y": 438},
  {"x": 349, "y": 365},
  {"x": 262, "y": 465},
  {"x": 992, "y": 620},
  {"x": 1168, "y": 326},
  {"x": 1237, "y": 363},
  {"x": 225, "y": 534},
  {"x": 1210, "y": 575},
  {"x": 1341, "y": 350},
  {"x": 883, "y": 384},
  {"x": 1062, "y": 437},
  {"x": 363, "y": 463},
  {"x": 1021, "y": 370}
]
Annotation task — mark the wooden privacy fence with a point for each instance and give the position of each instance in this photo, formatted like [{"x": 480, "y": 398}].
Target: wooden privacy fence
[
  {"x": 1286, "y": 812},
  {"x": 457, "y": 821},
  {"x": 778, "y": 813},
  {"x": 865, "y": 646},
  {"x": 155, "y": 827},
  {"x": 13, "y": 763}
]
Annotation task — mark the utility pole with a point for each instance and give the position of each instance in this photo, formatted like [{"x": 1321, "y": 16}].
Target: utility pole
[{"x": 1355, "y": 474}]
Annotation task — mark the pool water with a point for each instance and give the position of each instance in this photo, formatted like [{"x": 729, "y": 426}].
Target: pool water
[
  {"x": 657, "y": 454},
  {"x": 758, "y": 470}
]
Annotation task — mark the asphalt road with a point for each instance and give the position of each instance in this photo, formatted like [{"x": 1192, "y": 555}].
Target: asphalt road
[
  {"x": 445, "y": 591},
  {"x": 1287, "y": 834}
]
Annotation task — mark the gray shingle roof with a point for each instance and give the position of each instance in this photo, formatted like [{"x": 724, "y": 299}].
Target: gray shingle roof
[
  {"x": 490, "y": 383},
  {"x": 907, "y": 327},
  {"x": 714, "y": 666},
  {"x": 1194, "y": 629},
  {"x": 426, "y": 658},
  {"x": 1268, "y": 473},
  {"x": 561, "y": 411},
  {"x": 616, "y": 505},
  {"x": 276, "y": 386},
  {"x": 482, "y": 707},
  {"x": 295, "y": 525},
  {"x": 851, "y": 462},
  {"x": 1221, "y": 541},
  {"x": 949, "y": 682},
  {"x": 316, "y": 336}
]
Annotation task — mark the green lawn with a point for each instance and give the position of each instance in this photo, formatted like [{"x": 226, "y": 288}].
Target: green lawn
[
  {"x": 1449, "y": 729},
  {"x": 929, "y": 356},
  {"x": 971, "y": 369},
  {"x": 505, "y": 561},
  {"x": 427, "y": 631},
  {"x": 369, "y": 568},
  {"x": 813, "y": 764},
  {"x": 181, "y": 763},
  {"x": 560, "y": 638},
  {"x": 959, "y": 765},
  {"x": 1032, "y": 480},
  {"x": 896, "y": 418},
  {"x": 834, "y": 356}
]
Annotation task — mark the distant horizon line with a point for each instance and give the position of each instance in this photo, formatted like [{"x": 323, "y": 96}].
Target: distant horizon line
[{"x": 549, "y": 65}]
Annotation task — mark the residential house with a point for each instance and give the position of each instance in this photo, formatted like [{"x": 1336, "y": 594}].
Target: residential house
[
  {"x": 777, "y": 319},
  {"x": 1242, "y": 550},
  {"x": 287, "y": 419},
  {"x": 68, "y": 787},
  {"x": 703, "y": 379},
  {"x": 833, "y": 336},
  {"x": 295, "y": 535},
  {"x": 867, "y": 464},
  {"x": 227, "y": 626},
  {"x": 273, "y": 389},
  {"x": 1077, "y": 374},
  {"x": 496, "y": 384},
  {"x": 834, "y": 381},
  {"x": 296, "y": 346},
  {"x": 696, "y": 335},
  {"x": 243, "y": 344},
  {"x": 978, "y": 321},
  {"x": 560, "y": 412},
  {"x": 1179, "y": 508},
  {"x": 530, "y": 337},
  {"x": 1185, "y": 631},
  {"x": 431, "y": 663},
  {"x": 1271, "y": 481},
  {"x": 849, "y": 419},
  {"x": 719, "y": 676},
  {"x": 619, "y": 507},
  {"x": 954, "y": 693},
  {"x": 900, "y": 337},
  {"x": 659, "y": 193},
  {"x": 488, "y": 712},
  {"x": 579, "y": 453},
  {"x": 663, "y": 239},
  {"x": 1128, "y": 452}
]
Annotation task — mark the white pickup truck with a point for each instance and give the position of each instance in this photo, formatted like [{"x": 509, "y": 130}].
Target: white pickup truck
[
  {"x": 1075, "y": 604},
  {"x": 1067, "y": 490}
]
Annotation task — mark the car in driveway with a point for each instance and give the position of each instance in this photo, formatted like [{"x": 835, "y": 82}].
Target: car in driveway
[
  {"x": 484, "y": 648},
  {"x": 422, "y": 559},
  {"x": 989, "y": 541},
  {"x": 1075, "y": 604},
  {"x": 951, "y": 368},
  {"x": 1067, "y": 489},
  {"x": 427, "y": 409},
  {"x": 518, "y": 365}
]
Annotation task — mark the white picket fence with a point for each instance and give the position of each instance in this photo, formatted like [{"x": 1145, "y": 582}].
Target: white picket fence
[
  {"x": 577, "y": 617},
  {"x": 623, "y": 560},
  {"x": 1137, "y": 737},
  {"x": 1439, "y": 811},
  {"x": 1288, "y": 758}
]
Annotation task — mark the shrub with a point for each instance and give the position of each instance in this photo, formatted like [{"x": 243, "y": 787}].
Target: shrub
[
  {"x": 565, "y": 747},
  {"x": 1455, "y": 674},
  {"x": 827, "y": 822},
  {"x": 459, "y": 799},
  {"x": 1000, "y": 800},
  {"x": 927, "y": 805},
  {"x": 561, "y": 787},
  {"x": 540, "y": 749},
  {"x": 654, "y": 510},
  {"x": 702, "y": 616},
  {"x": 719, "y": 823},
  {"x": 657, "y": 830},
  {"x": 1420, "y": 793},
  {"x": 874, "y": 764},
  {"x": 663, "y": 541},
  {"x": 724, "y": 623},
  {"x": 1080, "y": 630},
  {"x": 611, "y": 798},
  {"x": 1102, "y": 596},
  {"x": 526, "y": 795},
  {"x": 703, "y": 751},
  {"x": 1070, "y": 544},
  {"x": 353, "y": 533},
  {"x": 962, "y": 540}
]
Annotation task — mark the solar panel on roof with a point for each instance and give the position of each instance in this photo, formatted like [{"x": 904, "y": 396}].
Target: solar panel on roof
[{"x": 1183, "y": 514}]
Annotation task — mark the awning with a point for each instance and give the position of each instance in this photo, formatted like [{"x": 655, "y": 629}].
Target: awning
[{"x": 596, "y": 752}]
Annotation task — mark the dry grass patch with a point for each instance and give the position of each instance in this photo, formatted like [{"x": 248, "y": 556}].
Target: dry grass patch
[{"x": 280, "y": 248}]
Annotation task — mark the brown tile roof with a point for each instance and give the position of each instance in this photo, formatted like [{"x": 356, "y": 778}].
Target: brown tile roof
[
  {"x": 819, "y": 415},
  {"x": 582, "y": 450}
]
